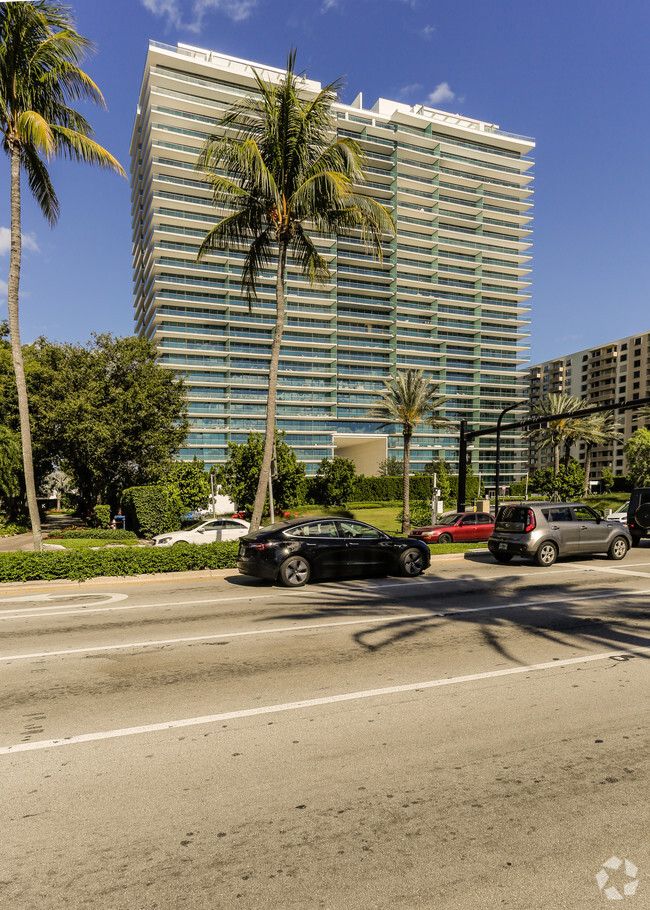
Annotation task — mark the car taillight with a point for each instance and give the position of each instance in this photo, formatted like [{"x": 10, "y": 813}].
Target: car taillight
[
  {"x": 530, "y": 520},
  {"x": 257, "y": 546}
]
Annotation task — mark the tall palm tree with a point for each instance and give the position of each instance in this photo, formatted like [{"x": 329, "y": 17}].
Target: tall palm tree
[
  {"x": 276, "y": 171},
  {"x": 598, "y": 430},
  {"x": 557, "y": 429},
  {"x": 40, "y": 53},
  {"x": 409, "y": 399}
]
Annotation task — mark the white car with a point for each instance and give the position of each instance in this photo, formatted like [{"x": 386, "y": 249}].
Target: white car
[
  {"x": 620, "y": 514},
  {"x": 205, "y": 532}
]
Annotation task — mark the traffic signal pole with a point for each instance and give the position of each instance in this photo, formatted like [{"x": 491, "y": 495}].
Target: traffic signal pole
[{"x": 528, "y": 423}]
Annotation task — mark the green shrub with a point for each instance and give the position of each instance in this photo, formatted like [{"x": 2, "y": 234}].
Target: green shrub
[
  {"x": 153, "y": 509},
  {"x": 122, "y": 561},
  {"x": 98, "y": 533},
  {"x": 101, "y": 517}
]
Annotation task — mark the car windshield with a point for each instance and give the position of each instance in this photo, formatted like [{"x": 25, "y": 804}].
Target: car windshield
[
  {"x": 193, "y": 525},
  {"x": 448, "y": 519}
]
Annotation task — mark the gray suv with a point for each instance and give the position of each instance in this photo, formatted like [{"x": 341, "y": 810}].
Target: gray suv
[{"x": 542, "y": 531}]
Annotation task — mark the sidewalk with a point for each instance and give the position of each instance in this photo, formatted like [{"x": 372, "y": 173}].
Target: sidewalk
[{"x": 25, "y": 541}]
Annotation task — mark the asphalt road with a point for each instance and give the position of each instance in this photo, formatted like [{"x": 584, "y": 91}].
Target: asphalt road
[{"x": 474, "y": 738}]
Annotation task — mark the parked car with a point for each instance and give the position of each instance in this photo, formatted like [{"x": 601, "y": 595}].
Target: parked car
[
  {"x": 302, "y": 548},
  {"x": 638, "y": 514},
  {"x": 620, "y": 514},
  {"x": 205, "y": 532},
  {"x": 457, "y": 527},
  {"x": 542, "y": 531}
]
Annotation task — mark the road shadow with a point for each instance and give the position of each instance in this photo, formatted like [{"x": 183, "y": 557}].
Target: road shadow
[{"x": 569, "y": 614}]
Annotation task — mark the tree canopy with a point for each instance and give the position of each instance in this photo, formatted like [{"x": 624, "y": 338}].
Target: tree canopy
[
  {"x": 238, "y": 477},
  {"x": 106, "y": 412},
  {"x": 637, "y": 452}
]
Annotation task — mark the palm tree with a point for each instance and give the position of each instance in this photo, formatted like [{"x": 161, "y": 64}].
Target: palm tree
[
  {"x": 410, "y": 398},
  {"x": 557, "y": 429},
  {"x": 598, "y": 430},
  {"x": 40, "y": 53},
  {"x": 275, "y": 172}
]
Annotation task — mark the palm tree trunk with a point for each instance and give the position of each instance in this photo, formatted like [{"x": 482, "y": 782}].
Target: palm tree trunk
[
  {"x": 260, "y": 495},
  {"x": 16, "y": 349},
  {"x": 406, "y": 519},
  {"x": 556, "y": 459}
]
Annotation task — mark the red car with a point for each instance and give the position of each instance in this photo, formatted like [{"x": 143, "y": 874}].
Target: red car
[{"x": 457, "y": 527}]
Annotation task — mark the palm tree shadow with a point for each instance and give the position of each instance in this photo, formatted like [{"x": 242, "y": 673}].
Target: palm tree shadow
[{"x": 569, "y": 615}]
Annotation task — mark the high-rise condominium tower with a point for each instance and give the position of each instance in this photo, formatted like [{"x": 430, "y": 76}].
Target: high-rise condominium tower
[{"x": 450, "y": 296}]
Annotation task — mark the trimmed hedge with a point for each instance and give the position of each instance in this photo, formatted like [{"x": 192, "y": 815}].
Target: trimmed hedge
[
  {"x": 122, "y": 561},
  {"x": 103, "y": 516},
  {"x": 384, "y": 489},
  {"x": 95, "y": 534},
  {"x": 153, "y": 509}
]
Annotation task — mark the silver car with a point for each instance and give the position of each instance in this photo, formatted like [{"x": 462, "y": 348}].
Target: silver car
[{"x": 542, "y": 531}]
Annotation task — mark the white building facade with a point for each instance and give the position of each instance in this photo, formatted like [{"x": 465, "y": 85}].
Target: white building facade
[{"x": 451, "y": 295}]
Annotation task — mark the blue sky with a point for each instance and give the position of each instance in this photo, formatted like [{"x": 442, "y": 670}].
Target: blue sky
[{"x": 574, "y": 75}]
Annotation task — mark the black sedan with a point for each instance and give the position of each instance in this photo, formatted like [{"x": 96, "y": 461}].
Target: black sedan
[{"x": 295, "y": 551}]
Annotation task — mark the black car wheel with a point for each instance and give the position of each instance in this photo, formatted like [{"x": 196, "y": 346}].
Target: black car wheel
[
  {"x": 618, "y": 548},
  {"x": 642, "y": 516},
  {"x": 411, "y": 562},
  {"x": 546, "y": 554},
  {"x": 502, "y": 557},
  {"x": 294, "y": 572},
  {"x": 445, "y": 538}
]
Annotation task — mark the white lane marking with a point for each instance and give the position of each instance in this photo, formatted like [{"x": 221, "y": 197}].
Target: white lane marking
[
  {"x": 50, "y": 598},
  {"x": 314, "y": 702},
  {"x": 364, "y": 587},
  {"x": 614, "y": 570},
  {"x": 29, "y": 614},
  {"x": 457, "y": 611}
]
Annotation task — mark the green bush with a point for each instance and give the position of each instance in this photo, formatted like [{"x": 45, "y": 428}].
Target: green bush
[
  {"x": 101, "y": 517},
  {"x": 385, "y": 489},
  {"x": 123, "y": 561},
  {"x": 153, "y": 509},
  {"x": 99, "y": 534}
]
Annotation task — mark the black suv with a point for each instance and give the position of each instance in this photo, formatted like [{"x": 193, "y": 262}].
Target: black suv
[{"x": 638, "y": 514}]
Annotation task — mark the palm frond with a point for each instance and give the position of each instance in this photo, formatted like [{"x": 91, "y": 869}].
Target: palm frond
[
  {"x": 40, "y": 184},
  {"x": 34, "y": 130}
]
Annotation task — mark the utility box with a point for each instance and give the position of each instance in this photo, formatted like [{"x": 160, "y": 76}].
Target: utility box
[{"x": 482, "y": 505}]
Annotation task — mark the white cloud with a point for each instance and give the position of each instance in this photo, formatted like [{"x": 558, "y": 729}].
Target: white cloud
[
  {"x": 4, "y": 287},
  {"x": 29, "y": 241},
  {"x": 427, "y": 31},
  {"x": 407, "y": 91},
  {"x": 189, "y": 14},
  {"x": 440, "y": 94},
  {"x": 327, "y": 5}
]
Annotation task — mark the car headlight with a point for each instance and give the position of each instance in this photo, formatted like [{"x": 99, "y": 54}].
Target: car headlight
[{"x": 162, "y": 540}]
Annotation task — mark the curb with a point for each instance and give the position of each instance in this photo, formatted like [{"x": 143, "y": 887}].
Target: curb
[{"x": 160, "y": 577}]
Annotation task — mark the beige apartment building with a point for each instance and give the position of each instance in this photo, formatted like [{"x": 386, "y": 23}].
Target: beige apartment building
[{"x": 612, "y": 371}]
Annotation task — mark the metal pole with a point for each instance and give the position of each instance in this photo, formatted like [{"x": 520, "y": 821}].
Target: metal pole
[
  {"x": 271, "y": 508},
  {"x": 434, "y": 500},
  {"x": 526, "y": 496},
  {"x": 213, "y": 491},
  {"x": 462, "y": 467},
  {"x": 503, "y": 413}
]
